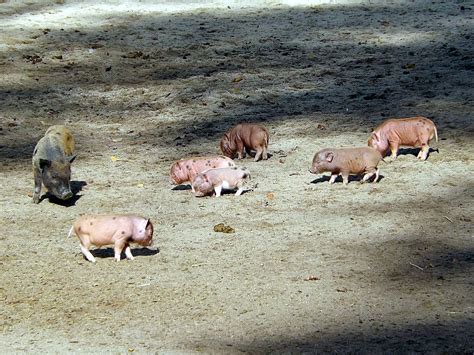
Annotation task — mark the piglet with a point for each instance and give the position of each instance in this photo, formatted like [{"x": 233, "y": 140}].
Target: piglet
[
  {"x": 214, "y": 180},
  {"x": 52, "y": 158},
  {"x": 347, "y": 161},
  {"x": 119, "y": 230},
  {"x": 412, "y": 132},
  {"x": 185, "y": 170},
  {"x": 245, "y": 137}
]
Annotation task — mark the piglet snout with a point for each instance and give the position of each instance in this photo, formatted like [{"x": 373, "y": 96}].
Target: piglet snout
[{"x": 67, "y": 194}]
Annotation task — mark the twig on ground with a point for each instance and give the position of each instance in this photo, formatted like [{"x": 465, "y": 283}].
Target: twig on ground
[{"x": 418, "y": 267}]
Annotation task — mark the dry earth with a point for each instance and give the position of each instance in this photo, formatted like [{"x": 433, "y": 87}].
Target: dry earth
[{"x": 142, "y": 84}]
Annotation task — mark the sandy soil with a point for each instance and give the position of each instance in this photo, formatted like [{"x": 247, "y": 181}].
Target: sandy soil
[{"x": 143, "y": 84}]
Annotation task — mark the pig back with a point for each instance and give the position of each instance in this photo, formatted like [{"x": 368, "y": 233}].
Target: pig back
[
  {"x": 187, "y": 169},
  {"x": 251, "y": 134},
  {"x": 356, "y": 160},
  {"x": 228, "y": 173},
  {"x": 57, "y": 143},
  {"x": 102, "y": 229},
  {"x": 406, "y": 131}
]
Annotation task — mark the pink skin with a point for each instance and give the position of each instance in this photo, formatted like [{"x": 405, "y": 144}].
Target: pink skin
[
  {"x": 347, "y": 161},
  {"x": 185, "y": 170},
  {"x": 413, "y": 132},
  {"x": 244, "y": 138},
  {"x": 214, "y": 180},
  {"x": 119, "y": 230}
]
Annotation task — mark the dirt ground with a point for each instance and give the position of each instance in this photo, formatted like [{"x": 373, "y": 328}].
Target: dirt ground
[{"x": 384, "y": 267}]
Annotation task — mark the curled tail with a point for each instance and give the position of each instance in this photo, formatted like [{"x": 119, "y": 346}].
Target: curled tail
[
  {"x": 267, "y": 135},
  {"x": 70, "y": 231}
]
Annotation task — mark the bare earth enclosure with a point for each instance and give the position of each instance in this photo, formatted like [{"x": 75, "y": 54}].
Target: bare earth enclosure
[{"x": 311, "y": 267}]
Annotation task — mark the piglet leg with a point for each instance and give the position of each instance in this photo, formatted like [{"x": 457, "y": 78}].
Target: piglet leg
[
  {"x": 393, "y": 150},
  {"x": 37, "y": 192},
  {"x": 258, "y": 154},
  {"x": 240, "y": 150},
  {"x": 218, "y": 190},
  {"x": 423, "y": 154},
  {"x": 240, "y": 189},
  {"x": 87, "y": 253},
  {"x": 345, "y": 179},
  {"x": 370, "y": 174},
  {"x": 128, "y": 252},
  {"x": 118, "y": 247}
]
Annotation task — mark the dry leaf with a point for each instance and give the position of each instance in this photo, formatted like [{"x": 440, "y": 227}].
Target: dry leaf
[
  {"x": 223, "y": 228},
  {"x": 237, "y": 79}
]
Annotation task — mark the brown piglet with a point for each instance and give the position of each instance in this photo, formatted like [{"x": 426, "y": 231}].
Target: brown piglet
[
  {"x": 347, "y": 161},
  {"x": 244, "y": 138},
  {"x": 119, "y": 230},
  {"x": 413, "y": 132}
]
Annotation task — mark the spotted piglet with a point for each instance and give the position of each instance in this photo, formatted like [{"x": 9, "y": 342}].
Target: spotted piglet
[
  {"x": 413, "y": 132},
  {"x": 119, "y": 230},
  {"x": 215, "y": 180},
  {"x": 185, "y": 170}
]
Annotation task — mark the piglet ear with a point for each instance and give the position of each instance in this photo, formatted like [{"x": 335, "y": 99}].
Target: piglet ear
[
  {"x": 329, "y": 156},
  {"x": 143, "y": 225}
]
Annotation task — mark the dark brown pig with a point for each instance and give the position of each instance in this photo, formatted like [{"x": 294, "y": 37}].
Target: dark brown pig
[
  {"x": 52, "y": 160},
  {"x": 413, "y": 132},
  {"x": 185, "y": 170},
  {"x": 245, "y": 137},
  {"x": 119, "y": 230},
  {"x": 215, "y": 180},
  {"x": 347, "y": 161}
]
